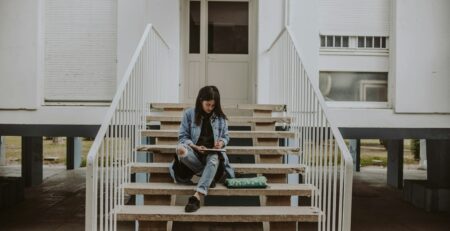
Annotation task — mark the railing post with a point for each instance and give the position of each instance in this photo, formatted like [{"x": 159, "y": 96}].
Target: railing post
[{"x": 90, "y": 221}]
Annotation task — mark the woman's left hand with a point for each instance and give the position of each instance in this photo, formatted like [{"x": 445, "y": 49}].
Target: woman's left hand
[{"x": 218, "y": 144}]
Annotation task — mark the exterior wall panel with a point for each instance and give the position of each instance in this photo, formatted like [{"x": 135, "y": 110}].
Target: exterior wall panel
[{"x": 80, "y": 50}]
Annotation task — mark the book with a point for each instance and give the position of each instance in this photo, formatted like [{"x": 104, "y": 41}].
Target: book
[{"x": 215, "y": 150}]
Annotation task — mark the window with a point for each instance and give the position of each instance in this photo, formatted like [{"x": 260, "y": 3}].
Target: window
[
  {"x": 333, "y": 41},
  {"x": 375, "y": 42},
  {"x": 228, "y": 27},
  {"x": 353, "y": 86},
  {"x": 194, "y": 27},
  {"x": 361, "y": 43},
  {"x": 371, "y": 42}
]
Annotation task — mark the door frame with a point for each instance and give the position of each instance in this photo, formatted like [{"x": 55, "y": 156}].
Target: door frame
[{"x": 252, "y": 49}]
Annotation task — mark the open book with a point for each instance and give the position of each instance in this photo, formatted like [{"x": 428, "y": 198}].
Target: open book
[{"x": 215, "y": 150}]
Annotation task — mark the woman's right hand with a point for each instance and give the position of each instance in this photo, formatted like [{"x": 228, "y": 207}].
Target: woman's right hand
[{"x": 200, "y": 149}]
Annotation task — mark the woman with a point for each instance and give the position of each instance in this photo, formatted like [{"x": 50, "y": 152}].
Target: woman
[{"x": 202, "y": 127}]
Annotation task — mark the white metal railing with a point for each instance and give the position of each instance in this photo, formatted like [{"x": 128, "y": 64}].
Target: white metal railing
[
  {"x": 323, "y": 149},
  {"x": 110, "y": 156}
]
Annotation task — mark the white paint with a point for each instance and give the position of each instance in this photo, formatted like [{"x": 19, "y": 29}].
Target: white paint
[
  {"x": 423, "y": 154},
  {"x": 270, "y": 24},
  {"x": 354, "y": 63},
  {"x": 385, "y": 118},
  {"x": 80, "y": 50},
  {"x": 354, "y": 17},
  {"x": 74, "y": 115},
  {"x": 164, "y": 15},
  {"x": 131, "y": 22},
  {"x": 19, "y": 54},
  {"x": 2, "y": 151},
  {"x": 133, "y": 16},
  {"x": 304, "y": 24},
  {"x": 421, "y": 56}
]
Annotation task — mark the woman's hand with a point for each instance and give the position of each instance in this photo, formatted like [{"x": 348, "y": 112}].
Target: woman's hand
[
  {"x": 200, "y": 149},
  {"x": 218, "y": 144}
]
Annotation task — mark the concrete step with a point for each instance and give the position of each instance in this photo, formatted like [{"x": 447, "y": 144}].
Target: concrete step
[
  {"x": 238, "y": 168},
  {"x": 233, "y": 134},
  {"x": 232, "y": 120},
  {"x": 273, "y": 189},
  {"x": 219, "y": 214},
  {"x": 182, "y": 106},
  {"x": 230, "y": 150}
]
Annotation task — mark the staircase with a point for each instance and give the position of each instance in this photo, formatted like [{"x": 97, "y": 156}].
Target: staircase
[
  {"x": 160, "y": 203},
  {"x": 313, "y": 151}
]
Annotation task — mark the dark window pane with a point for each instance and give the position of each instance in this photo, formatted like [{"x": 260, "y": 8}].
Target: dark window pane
[
  {"x": 345, "y": 41},
  {"x": 377, "y": 43},
  {"x": 369, "y": 43},
  {"x": 354, "y": 86},
  {"x": 337, "y": 41},
  {"x": 228, "y": 27},
  {"x": 329, "y": 41},
  {"x": 383, "y": 42},
  {"x": 322, "y": 41},
  {"x": 194, "y": 28},
  {"x": 360, "y": 41}
]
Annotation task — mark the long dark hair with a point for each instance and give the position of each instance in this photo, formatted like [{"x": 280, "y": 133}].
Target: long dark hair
[{"x": 207, "y": 93}]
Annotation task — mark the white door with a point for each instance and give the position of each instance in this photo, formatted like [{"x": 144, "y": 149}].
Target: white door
[{"x": 218, "y": 49}]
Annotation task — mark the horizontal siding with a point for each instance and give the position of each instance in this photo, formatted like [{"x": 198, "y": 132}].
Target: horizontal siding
[
  {"x": 354, "y": 17},
  {"x": 80, "y": 50}
]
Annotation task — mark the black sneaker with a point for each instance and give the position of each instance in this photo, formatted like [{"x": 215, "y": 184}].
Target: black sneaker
[
  {"x": 192, "y": 205},
  {"x": 213, "y": 184}
]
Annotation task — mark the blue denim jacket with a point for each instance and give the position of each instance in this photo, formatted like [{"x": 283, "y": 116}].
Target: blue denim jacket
[{"x": 189, "y": 133}]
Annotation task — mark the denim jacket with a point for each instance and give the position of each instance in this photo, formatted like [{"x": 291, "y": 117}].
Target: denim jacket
[{"x": 189, "y": 133}]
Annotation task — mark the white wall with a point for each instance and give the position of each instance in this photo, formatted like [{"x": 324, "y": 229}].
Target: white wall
[
  {"x": 354, "y": 17},
  {"x": 131, "y": 22},
  {"x": 164, "y": 15},
  {"x": 19, "y": 56},
  {"x": 80, "y": 50},
  {"x": 270, "y": 24},
  {"x": 385, "y": 118},
  {"x": 421, "y": 56},
  {"x": 304, "y": 22},
  {"x": 51, "y": 115},
  {"x": 357, "y": 63},
  {"x": 133, "y": 16}
]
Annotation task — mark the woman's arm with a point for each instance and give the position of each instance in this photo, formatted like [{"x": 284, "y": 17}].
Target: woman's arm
[
  {"x": 184, "y": 134},
  {"x": 224, "y": 137}
]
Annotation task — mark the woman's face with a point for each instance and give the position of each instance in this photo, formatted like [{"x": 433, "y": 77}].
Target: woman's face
[{"x": 208, "y": 105}]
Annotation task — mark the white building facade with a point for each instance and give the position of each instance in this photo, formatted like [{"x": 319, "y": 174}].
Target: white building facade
[{"x": 382, "y": 65}]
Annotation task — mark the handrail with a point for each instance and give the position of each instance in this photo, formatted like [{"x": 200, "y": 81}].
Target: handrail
[
  {"x": 112, "y": 108},
  {"x": 276, "y": 39},
  {"x": 324, "y": 106},
  {"x": 113, "y": 150},
  {"x": 324, "y": 151}
]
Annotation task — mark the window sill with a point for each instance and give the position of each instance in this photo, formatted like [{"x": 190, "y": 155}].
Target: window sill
[
  {"x": 358, "y": 105},
  {"x": 354, "y": 51}
]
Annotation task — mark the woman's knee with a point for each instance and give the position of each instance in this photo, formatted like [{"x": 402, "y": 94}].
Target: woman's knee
[
  {"x": 181, "y": 151},
  {"x": 213, "y": 159}
]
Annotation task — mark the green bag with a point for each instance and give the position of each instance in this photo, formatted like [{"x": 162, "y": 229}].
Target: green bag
[{"x": 254, "y": 182}]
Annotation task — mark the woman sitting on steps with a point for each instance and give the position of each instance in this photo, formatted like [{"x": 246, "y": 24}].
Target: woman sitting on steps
[{"x": 202, "y": 127}]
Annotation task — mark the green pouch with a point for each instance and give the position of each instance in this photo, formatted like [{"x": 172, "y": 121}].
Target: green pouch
[{"x": 254, "y": 182}]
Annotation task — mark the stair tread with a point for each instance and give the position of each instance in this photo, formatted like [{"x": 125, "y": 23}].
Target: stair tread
[
  {"x": 273, "y": 189},
  {"x": 231, "y": 150},
  {"x": 233, "y": 134},
  {"x": 231, "y": 119},
  {"x": 240, "y": 168},
  {"x": 271, "y": 107},
  {"x": 218, "y": 213}
]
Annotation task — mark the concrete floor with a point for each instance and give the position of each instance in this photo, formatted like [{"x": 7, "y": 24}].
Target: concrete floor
[{"x": 58, "y": 204}]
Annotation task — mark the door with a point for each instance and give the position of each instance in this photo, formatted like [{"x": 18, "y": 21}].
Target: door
[{"x": 218, "y": 49}]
